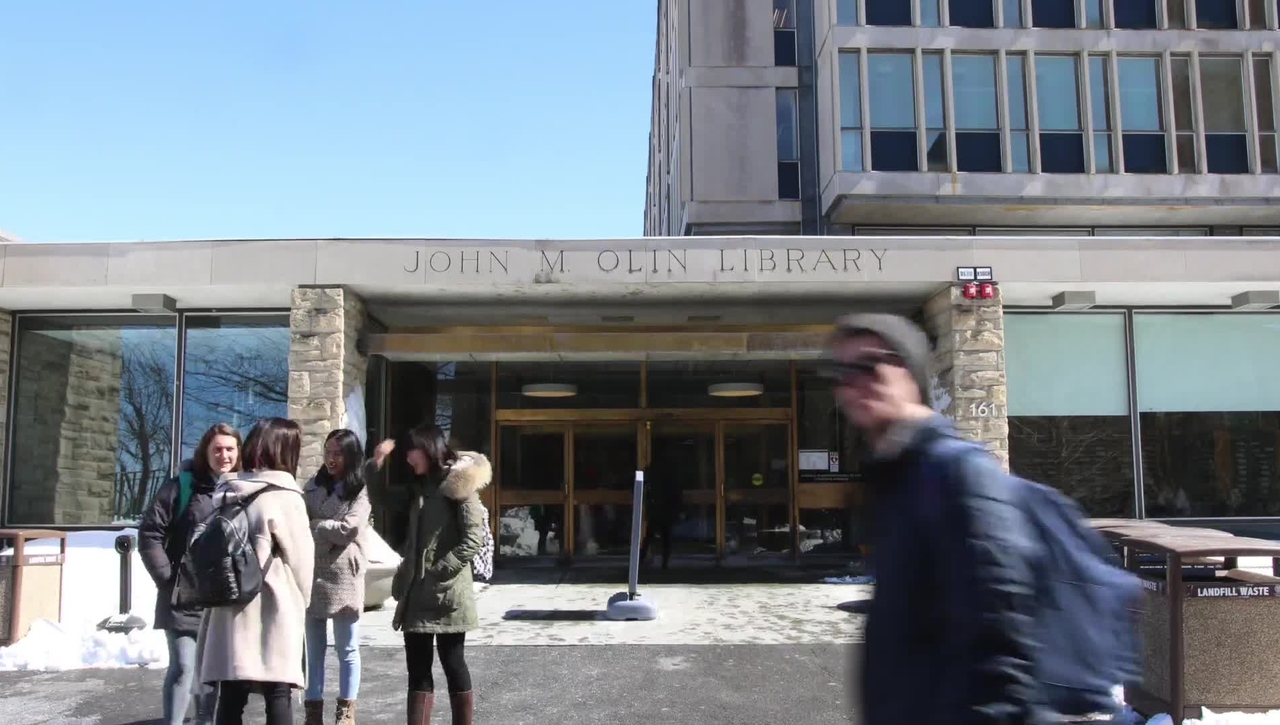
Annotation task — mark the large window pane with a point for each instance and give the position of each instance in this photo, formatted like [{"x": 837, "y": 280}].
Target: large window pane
[
  {"x": 972, "y": 13},
  {"x": 1012, "y": 13},
  {"x": 977, "y": 124},
  {"x": 929, "y": 15},
  {"x": 1019, "y": 136},
  {"x": 1264, "y": 93},
  {"x": 1135, "y": 14},
  {"x": 1053, "y": 13},
  {"x": 92, "y": 418},
  {"x": 888, "y": 12},
  {"x": 1061, "y": 141},
  {"x": 235, "y": 370},
  {"x": 1217, "y": 14},
  {"x": 1209, "y": 407},
  {"x": 1100, "y": 103},
  {"x": 846, "y": 12},
  {"x": 935, "y": 115},
  {"x": 850, "y": 113},
  {"x": 1183, "y": 118},
  {"x": 893, "y": 112},
  {"x": 1093, "y": 13},
  {"x": 1068, "y": 391},
  {"x": 1141, "y": 119},
  {"x": 1225, "y": 135},
  {"x": 569, "y": 385},
  {"x": 699, "y": 384}
]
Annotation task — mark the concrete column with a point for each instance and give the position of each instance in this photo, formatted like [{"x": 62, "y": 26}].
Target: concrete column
[
  {"x": 969, "y": 379},
  {"x": 324, "y": 365},
  {"x": 6, "y": 348}
]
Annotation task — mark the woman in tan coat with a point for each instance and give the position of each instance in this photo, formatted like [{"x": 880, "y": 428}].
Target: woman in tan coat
[
  {"x": 258, "y": 646},
  {"x": 436, "y": 601}
]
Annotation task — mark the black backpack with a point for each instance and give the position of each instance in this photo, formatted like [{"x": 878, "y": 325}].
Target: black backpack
[{"x": 220, "y": 567}]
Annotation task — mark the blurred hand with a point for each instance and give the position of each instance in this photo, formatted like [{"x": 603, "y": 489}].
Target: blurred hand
[{"x": 383, "y": 450}]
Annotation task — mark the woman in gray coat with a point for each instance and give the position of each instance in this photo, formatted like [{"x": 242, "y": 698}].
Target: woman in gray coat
[{"x": 338, "y": 505}]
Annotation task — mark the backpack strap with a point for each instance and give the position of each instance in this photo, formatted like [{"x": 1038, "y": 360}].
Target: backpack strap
[{"x": 186, "y": 484}]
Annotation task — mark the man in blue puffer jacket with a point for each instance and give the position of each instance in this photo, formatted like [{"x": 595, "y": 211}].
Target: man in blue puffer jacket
[{"x": 950, "y": 633}]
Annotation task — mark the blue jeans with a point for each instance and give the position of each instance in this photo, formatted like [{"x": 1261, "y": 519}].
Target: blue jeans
[
  {"x": 346, "y": 638},
  {"x": 178, "y": 682}
]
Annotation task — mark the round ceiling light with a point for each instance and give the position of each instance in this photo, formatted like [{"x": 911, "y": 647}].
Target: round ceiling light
[
  {"x": 736, "y": 390},
  {"x": 549, "y": 390}
]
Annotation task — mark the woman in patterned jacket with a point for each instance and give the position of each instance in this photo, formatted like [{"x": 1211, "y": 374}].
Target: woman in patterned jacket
[{"x": 338, "y": 505}]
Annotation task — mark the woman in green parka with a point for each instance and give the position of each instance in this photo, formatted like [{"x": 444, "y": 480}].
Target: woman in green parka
[{"x": 433, "y": 586}]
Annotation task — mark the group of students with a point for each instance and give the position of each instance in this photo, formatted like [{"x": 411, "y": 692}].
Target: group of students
[{"x": 311, "y": 542}]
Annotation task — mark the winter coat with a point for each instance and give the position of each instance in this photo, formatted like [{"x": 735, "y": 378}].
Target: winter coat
[
  {"x": 433, "y": 585},
  {"x": 162, "y": 542},
  {"x": 339, "y": 527},
  {"x": 953, "y": 610},
  {"x": 262, "y": 641}
]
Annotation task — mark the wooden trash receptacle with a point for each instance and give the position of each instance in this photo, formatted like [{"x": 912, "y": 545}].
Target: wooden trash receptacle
[
  {"x": 30, "y": 581},
  {"x": 1209, "y": 639}
]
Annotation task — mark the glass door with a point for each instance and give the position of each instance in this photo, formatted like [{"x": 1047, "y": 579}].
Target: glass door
[
  {"x": 533, "y": 483},
  {"x": 688, "y": 494},
  {"x": 605, "y": 458},
  {"x": 757, "y": 489}
]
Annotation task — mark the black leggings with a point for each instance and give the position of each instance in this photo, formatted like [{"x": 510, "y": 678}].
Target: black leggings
[
  {"x": 417, "y": 655},
  {"x": 234, "y": 696}
]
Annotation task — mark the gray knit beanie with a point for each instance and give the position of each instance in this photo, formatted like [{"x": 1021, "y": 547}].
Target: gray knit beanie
[{"x": 902, "y": 336}]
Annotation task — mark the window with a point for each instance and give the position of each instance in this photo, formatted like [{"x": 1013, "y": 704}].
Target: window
[
  {"x": 1264, "y": 93},
  {"x": 1257, "y": 14},
  {"x": 846, "y": 12},
  {"x": 1061, "y": 138},
  {"x": 788, "y": 145},
  {"x": 888, "y": 12},
  {"x": 977, "y": 124},
  {"x": 1093, "y": 13},
  {"x": 1019, "y": 135},
  {"x": 1209, "y": 408},
  {"x": 1013, "y": 13},
  {"x": 92, "y": 417},
  {"x": 1177, "y": 10},
  {"x": 893, "y": 112},
  {"x": 850, "y": 113},
  {"x": 1053, "y": 14},
  {"x": 784, "y": 32},
  {"x": 930, "y": 15},
  {"x": 1217, "y": 14},
  {"x": 971, "y": 13},
  {"x": 1225, "y": 133},
  {"x": 1141, "y": 120},
  {"x": 1068, "y": 392},
  {"x": 1100, "y": 103},
  {"x": 935, "y": 115},
  {"x": 1183, "y": 116},
  {"x": 1136, "y": 14},
  {"x": 587, "y": 384},
  {"x": 821, "y": 427},
  {"x": 235, "y": 370}
]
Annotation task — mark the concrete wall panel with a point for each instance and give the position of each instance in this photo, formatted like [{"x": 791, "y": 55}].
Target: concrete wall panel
[
  {"x": 731, "y": 32},
  {"x": 735, "y": 153}
]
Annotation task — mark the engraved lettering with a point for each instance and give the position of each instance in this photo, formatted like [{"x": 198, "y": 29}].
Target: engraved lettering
[
  {"x": 678, "y": 256},
  {"x": 797, "y": 258},
  {"x": 857, "y": 255},
  {"x": 724, "y": 268},
  {"x": 502, "y": 262},
  {"x": 880, "y": 258},
  {"x": 601, "y": 257},
  {"x": 823, "y": 256},
  {"x": 462, "y": 265},
  {"x": 631, "y": 263},
  {"x": 448, "y": 261},
  {"x": 773, "y": 265},
  {"x": 549, "y": 264},
  {"x": 417, "y": 260}
]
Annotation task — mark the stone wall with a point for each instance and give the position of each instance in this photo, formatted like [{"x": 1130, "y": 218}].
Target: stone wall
[
  {"x": 968, "y": 364},
  {"x": 324, "y": 365}
]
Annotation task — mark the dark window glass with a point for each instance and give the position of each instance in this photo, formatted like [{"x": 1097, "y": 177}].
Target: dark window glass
[
  {"x": 92, "y": 418},
  {"x": 235, "y": 370},
  {"x": 894, "y": 151},
  {"x": 575, "y": 385},
  {"x": 1136, "y": 14},
  {"x": 788, "y": 179},
  {"x": 1144, "y": 153},
  {"x": 1228, "y": 153},
  {"x": 822, "y": 428},
  {"x": 784, "y": 47},
  {"x": 1225, "y": 123},
  {"x": 1141, "y": 117},
  {"x": 977, "y": 151},
  {"x": 973, "y": 13},
  {"x": 977, "y": 117},
  {"x": 1053, "y": 14},
  {"x": 1217, "y": 15},
  {"x": 1062, "y": 153},
  {"x": 888, "y": 12}
]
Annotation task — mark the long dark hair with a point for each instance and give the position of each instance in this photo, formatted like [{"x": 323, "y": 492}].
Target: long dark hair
[
  {"x": 352, "y": 464},
  {"x": 431, "y": 440},
  {"x": 273, "y": 445},
  {"x": 200, "y": 460}
]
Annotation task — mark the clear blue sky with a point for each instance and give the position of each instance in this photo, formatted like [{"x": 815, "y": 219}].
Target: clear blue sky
[{"x": 168, "y": 119}]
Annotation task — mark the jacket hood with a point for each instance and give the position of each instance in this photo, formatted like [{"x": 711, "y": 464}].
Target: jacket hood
[
  {"x": 240, "y": 485},
  {"x": 470, "y": 473}
]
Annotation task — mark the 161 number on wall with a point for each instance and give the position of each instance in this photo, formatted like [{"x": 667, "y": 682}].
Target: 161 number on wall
[{"x": 983, "y": 410}]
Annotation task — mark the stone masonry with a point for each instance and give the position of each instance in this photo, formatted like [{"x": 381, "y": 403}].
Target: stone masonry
[
  {"x": 324, "y": 365},
  {"x": 968, "y": 364}
]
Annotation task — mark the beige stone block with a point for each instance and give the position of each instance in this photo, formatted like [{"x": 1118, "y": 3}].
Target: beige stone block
[
  {"x": 331, "y": 346},
  {"x": 297, "y": 358},
  {"x": 309, "y": 365},
  {"x": 975, "y": 360},
  {"x": 299, "y": 385},
  {"x": 977, "y": 340},
  {"x": 326, "y": 321},
  {"x": 321, "y": 377},
  {"x": 331, "y": 391},
  {"x": 310, "y": 410},
  {"x": 981, "y": 378}
]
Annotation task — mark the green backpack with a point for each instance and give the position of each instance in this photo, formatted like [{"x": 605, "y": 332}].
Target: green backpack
[{"x": 185, "y": 486}]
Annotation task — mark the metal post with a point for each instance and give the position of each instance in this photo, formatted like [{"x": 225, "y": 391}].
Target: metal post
[{"x": 637, "y": 518}]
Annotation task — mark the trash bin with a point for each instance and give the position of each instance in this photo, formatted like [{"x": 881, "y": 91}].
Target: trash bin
[
  {"x": 30, "y": 581},
  {"x": 1209, "y": 639}
]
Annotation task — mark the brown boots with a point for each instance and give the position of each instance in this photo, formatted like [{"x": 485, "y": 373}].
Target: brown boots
[
  {"x": 420, "y": 704},
  {"x": 315, "y": 712},
  {"x": 346, "y": 712},
  {"x": 461, "y": 704}
]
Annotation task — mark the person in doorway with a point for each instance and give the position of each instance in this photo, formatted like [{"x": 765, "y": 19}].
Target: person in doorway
[
  {"x": 954, "y": 608},
  {"x": 433, "y": 586},
  {"x": 181, "y": 503},
  {"x": 258, "y": 646},
  {"x": 662, "y": 501},
  {"x": 338, "y": 505}
]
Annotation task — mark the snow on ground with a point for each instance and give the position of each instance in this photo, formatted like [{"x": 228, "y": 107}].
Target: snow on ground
[
  {"x": 50, "y": 646},
  {"x": 1208, "y": 717},
  {"x": 849, "y": 579}
]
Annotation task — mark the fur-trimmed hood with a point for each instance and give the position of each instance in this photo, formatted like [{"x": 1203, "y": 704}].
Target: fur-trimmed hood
[{"x": 470, "y": 473}]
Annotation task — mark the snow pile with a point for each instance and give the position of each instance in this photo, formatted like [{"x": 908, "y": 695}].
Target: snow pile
[
  {"x": 849, "y": 579},
  {"x": 50, "y": 646},
  {"x": 1207, "y": 717}
]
